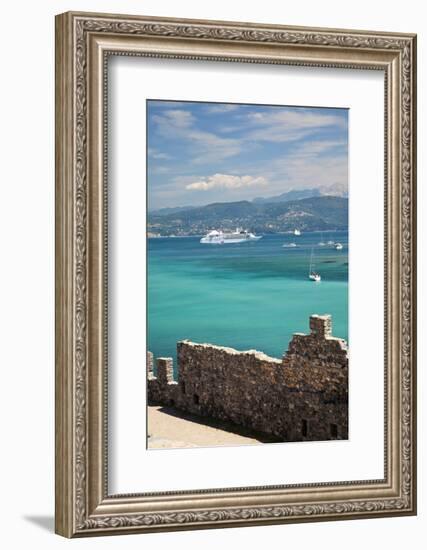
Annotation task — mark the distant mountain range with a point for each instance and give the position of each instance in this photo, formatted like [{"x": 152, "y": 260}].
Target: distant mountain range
[
  {"x": 335, "y": 190},
  {"x": 293, "y": 195},
  {"x": 170, "y": 210},
  {"x": 315, "y": 213}
]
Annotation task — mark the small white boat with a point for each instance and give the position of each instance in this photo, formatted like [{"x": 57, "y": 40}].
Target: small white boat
[
  {"x": 297, "y": 232},
  {"x": 338, "y": 246},
  {"x": 312, "y": 274},
  {"x": 289, "y": 245}
]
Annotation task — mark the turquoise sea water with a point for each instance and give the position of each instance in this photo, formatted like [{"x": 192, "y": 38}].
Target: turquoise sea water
[{"x": 247, "y": 296}]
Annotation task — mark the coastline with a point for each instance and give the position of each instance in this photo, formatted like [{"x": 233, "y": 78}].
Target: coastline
[{"x": 264, "y": 234}]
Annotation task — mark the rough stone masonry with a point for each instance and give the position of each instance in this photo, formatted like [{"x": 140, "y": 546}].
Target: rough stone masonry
[{"x": 302, "y": 397}]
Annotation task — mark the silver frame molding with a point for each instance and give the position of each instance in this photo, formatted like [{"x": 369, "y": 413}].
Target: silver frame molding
[{"x": 83, "y": 43}]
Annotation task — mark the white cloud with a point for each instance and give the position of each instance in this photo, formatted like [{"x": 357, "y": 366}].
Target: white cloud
[
  {"x": 158, "y": 155},
  {"x": 311, "y": 164},
  {"x": 288, "y": 125},
  {"x": 312, "y": 149},
  {"x": 221, "y": 108},
  {"x": 160, "y": 170},
  {"x": 210, "y": 147},
  {"x": 176, "y": 118},
  {"x": 206, "y": 146},
  {"x": 226, "y": 181},
  {"x": 309, "y": 171}
]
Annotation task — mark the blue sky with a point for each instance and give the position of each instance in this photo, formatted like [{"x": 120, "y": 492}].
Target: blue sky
[{"x": 199, "y": 153}]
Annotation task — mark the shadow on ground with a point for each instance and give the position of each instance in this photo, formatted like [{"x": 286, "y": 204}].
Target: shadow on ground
[
  {"x": 221, "y": 425},
  {"x": 44, "y": 522}
]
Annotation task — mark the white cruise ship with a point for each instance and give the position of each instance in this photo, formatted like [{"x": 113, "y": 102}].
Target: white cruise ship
[{"x": 230, "y": 237}]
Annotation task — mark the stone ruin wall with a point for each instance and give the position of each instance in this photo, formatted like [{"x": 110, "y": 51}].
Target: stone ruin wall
[{"x": 302, "y": 397}]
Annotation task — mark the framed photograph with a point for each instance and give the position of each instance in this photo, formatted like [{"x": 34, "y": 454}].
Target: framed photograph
[{"x": 235, "y": 274}]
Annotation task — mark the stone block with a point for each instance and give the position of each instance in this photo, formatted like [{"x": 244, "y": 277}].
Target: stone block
[
  {"x": 321, "y": 326},
  {"x": 150, "y": 364},
  {"x": 165, "y": 370}
]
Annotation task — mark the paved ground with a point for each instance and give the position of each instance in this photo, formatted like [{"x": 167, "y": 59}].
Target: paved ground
[{"x": 168, "y": 429}]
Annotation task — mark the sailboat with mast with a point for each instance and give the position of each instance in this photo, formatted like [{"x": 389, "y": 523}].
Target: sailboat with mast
[{"x": 312, "y": 274}]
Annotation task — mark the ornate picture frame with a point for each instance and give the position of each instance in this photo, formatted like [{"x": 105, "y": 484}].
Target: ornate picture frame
[{"x": 84, "y": 42}]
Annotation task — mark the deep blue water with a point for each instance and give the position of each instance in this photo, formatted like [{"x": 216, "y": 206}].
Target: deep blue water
[{"x": 247, "y": 296}]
